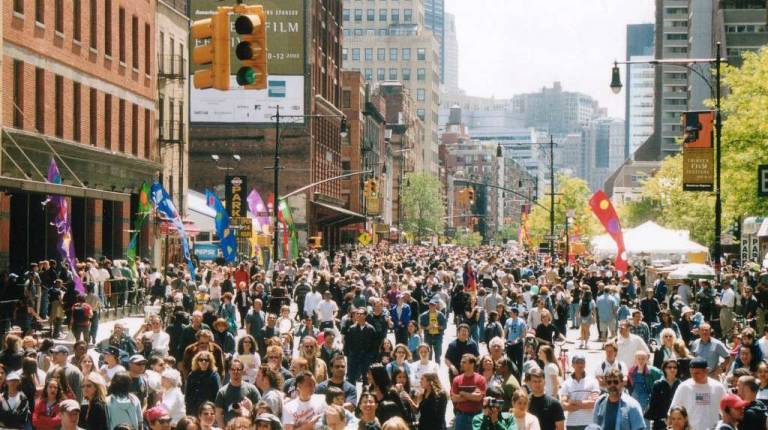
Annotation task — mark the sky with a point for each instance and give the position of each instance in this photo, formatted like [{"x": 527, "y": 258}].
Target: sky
[{"x": 508, "y": 47}]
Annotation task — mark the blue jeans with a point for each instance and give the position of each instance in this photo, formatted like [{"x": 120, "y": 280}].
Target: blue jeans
[
  {"x": 435, "y": 341},
  {"x": 94, "y": 328},
  {"x": 44, "y": 302},
  {"x": 357, "y": 366},
  {"x": 474, "y": 332},
  {"x": 574, "y": 309},
  {"x": 463, "y": 421}
]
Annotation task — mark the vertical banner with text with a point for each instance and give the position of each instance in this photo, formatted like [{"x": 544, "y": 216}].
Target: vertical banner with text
[
  {"x": 235, "y": 195},
  {"x": 698, "y": 152}
]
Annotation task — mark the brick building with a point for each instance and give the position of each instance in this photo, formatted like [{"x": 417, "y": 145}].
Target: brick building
[
  {"x": 80, "y": 86},
  {"x": 310, "y": 144}
]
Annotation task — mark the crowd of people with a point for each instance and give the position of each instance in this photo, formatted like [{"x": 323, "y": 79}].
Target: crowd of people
[{"x": 397, "y": 338}]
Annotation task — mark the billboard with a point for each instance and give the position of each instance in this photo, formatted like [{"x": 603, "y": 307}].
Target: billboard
[
  {"x": 285, "y": 62},
  {"x": 698, "y": 153}
]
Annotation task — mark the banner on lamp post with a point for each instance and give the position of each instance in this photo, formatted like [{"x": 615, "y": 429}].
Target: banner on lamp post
[
  {"x": 236, "y": 195},
  {"x": 698, "y": 152}
]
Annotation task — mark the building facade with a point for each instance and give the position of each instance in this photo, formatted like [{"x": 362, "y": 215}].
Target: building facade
[
  {"x": 639, "y": 87},
  {"x": 604, "y": 145},
  {"x": 557, "y": 111},
  {"x": 81, "y": 89},
  {"x": 742, "y": 26},
  {"x": 434, "y": 21},
  {"x": 451, "y": 56}
]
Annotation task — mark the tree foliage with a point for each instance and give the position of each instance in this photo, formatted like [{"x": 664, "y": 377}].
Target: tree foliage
[
  {"x": 571, "y": 193},
  {"x": 423, "y": 208},
  {"x": 468, "y": 238}
]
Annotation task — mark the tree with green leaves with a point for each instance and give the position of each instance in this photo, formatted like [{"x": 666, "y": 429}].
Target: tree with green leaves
[
  {"x": 468, "y": 238},
  {"x": 422, "y": 198},
  {"x": 571, "y": 193}
]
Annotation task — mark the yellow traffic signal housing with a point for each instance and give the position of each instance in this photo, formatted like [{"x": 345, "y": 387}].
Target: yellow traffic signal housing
[
  {"x": 471, "y": 195},
  {"x": 251, "y": 26},
  {"x": 374, "y": 187},
  {"x": 213, "y": 52}
]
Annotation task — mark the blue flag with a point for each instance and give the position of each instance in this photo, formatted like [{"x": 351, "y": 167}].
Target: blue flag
[
  {"x": 165, "y": 206},
  {"x": 226, "y": 236}
]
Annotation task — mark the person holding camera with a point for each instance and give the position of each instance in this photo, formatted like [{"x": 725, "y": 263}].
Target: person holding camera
[{"x": 492, "y": 417}]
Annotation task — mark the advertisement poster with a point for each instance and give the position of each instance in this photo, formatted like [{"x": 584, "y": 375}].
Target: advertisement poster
[
  {"x": 285, "y": 63},
  {"x": 698, "y": 153},
  {"x": 235, "y": 194}
]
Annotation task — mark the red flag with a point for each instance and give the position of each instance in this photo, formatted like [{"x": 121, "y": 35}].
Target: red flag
[{"x": 604, "y": 211}]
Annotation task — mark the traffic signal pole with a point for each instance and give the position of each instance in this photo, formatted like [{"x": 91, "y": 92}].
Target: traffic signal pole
[
  {"x": 275, "y": 205},
  {"x": 552, "y": 198}
]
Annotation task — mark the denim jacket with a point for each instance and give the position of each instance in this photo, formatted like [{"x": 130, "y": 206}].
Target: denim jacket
[{"x": 630, "y": 415}]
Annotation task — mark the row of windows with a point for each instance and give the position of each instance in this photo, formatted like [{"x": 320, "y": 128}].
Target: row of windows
[
  {"x": 677, "y": 36},
  {"x": 383, "y": 15},
  {"x": 381, "y": 54},
  {"x": 76, "y": 95},
  {"x": 745, "y": 28},
  {"x": 381, "y": 74},
  {"x": 58, "y": 6},
  {"x": 399, "y": 31}
]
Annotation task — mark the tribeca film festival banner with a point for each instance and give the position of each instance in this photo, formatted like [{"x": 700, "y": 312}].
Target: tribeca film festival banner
[
  {"x": 285, "y": 62},
  {"x": 698, "y": 153}
]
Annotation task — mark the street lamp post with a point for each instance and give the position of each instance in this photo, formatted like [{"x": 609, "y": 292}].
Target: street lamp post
[{"x": 687, "y": 63}]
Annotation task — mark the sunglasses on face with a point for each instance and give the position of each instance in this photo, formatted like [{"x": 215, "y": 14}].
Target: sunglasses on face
[
  {"x": 612, "y": 382},
  {"x": 204, "y": 360}
]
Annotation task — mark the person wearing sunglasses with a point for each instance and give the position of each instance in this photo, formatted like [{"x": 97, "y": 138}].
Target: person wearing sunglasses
[
  {"x": 661, "y": 394},
  {"x": 203, "y": 382},
  {"x": 617, "y": 410},
  {"x": 158, "y": 418}
]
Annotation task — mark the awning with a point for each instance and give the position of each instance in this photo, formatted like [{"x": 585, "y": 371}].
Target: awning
[
  {"x": 763, "y": 231},
  {"x": 327, "y": 214}
]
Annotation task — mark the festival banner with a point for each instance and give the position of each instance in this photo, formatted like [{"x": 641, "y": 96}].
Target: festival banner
[
  {"x": 604, "y": 211},
  {"x": 291, "y": 236},
  {"x": 65, "y": 245},
  {"x": 698, "y": 152},
  {"x": 165, "y": 206},
  {"x": 227, "y": 241},
  {"x": 145, "y": 208},
  {"x": 258, "y": 208},
  {"x": 235, "y": 195}
]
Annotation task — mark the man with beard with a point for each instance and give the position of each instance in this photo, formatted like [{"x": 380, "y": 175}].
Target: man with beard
[{"x": 616, "y": 405}]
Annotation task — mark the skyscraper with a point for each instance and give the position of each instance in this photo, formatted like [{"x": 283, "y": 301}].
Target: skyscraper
[
  {"x": 450, "y": 59},
  {"x": 639, "y": 87},
  {"x": 434, "y": 20}
]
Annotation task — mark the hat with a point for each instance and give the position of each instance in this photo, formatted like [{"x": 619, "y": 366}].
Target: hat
[
  {"x": 685, "y": 310},
  {"x": 732, "y": 401},
  {"x": 529, "y": 365},
  {"x": 13, "y": 376},
  {"x": 273, "y": 421},
  {"x": 137, "y": 359},
  {"x": 698, "y": 363},
  {"x": 69, "y": 405},
  {"x": 112, "y": 350},
  {"x": 172, "y": 375},
  {"x": 578, "y": 357},
  {"x": 514, "y": 309},
  {"x": 155, "y": 413},
  {"x": 60, "y": 348},
  {"x": 434, "y": 301}
]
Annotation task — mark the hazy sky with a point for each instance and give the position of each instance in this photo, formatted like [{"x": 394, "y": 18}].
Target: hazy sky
[{"x": 508, "y": 47}]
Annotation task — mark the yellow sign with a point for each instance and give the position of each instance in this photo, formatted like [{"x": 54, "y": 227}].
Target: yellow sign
[
  {"x": 372, "y": 205},
  {"x": 364, "y": 238}
]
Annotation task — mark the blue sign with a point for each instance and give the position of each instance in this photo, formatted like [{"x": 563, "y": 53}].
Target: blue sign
[{"x": 206, "y": 251}]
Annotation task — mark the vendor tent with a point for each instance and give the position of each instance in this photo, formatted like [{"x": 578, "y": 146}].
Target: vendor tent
[{"x": 648, "y": 239}]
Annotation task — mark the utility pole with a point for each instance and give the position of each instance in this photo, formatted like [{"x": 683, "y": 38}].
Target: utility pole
[
  {"x": 275, "y": 204},
  {"x": 552, "y": 198},
  {"x": 718, "y": 132}
]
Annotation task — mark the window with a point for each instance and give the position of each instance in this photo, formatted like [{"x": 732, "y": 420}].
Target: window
[
  {"x": 420, "y": 94},
  {"x": 344, "y": 54},
  {"x": 58, "y": 15},
  {"x": 345, "y": 15},
  {"x": 135, "y": 129},
  {"x": 358, "y": 15},
  {"x": 121, "y": 125},
  {"x": 346, "y": 99},
  {"x": 18, "y": 94},
  {"x": 421, "y": 54},
  {"x": 368, "y": 54},
  {"x": 121, "y": 35},
  {"x": 92, "y": 116},
  {"x": 347, "y": 32},
  {"x": 393, "y": 54},
  {"x": 355, "y": 54},
  {"x": 147, "y": 47},
  {"x": 58, "y": 88},
  {"x": 383, "y": 15},
  {"x": 406, "y": 74},
  {"x": 76, "y": 112},
  {"x": 370, "y": 15},
  {"x": 76, "y": 20},
  {"x": 40, "y": 11},
  {"x": 677, "y": 36},
  {"x": 381, "y": 74},
  {"x": 368, "y": 74},
  {"x": 395, "y": 15},
  {"x": 421, "y": 114},
  {"x": 421, "y": 74},
  {"x": 392, "y": 74},
  {"x": 383, "y": 32},
  {"x": 346, "y": 167},
  {"x": 147, "y": 137},
  {"x": 358, "y": 32},
  {"x": 18, "y": 6},
  {"x": 407, "y": 15},
  {"x": 92, "y": 28},
  {"x": 135, "y": 42},
  {"x": 108, "y": 121},
  {"x": 406, "y": 54},
  {"x": 39, "y": 100},
  {"x": 108, "y": 27},
  {"x": 381, "y": 54}
]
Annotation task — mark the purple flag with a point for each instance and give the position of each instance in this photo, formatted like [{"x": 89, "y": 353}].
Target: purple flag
[
  {"x": 66, "y": 244},
  {"x": 258, "y": 208}
]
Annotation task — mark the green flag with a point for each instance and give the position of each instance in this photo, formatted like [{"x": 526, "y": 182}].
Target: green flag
[{"x": 145, "y": 207}]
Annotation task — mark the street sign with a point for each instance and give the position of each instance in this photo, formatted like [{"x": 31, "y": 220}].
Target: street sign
[
  {"x": 364, "y": 238},
  {"x": 762, "y": 180},
  {"x": 242, "y": 226}
]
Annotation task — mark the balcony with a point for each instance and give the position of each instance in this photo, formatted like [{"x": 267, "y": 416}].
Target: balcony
[
  {"x": 179, "y": 5},
  {"x": 171, "y": 132},
  {"x": 171, "y": 67}
]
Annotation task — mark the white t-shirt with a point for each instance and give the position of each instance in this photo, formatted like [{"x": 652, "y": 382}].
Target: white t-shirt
[
  {"x": 605, "y": 366},
  {"x": 763, "y": 344},
  {"x": 628, "y": 346},
  {"x": 551, "y": 372},
  {"x": 105, "y": 370},
  {"x": 418, "y": 369},
  {"x": 729, "y": 298},
  {"x": 326, "y": 310},
  {"x": 160, "y": 341},
  {"x": 579, "y": 390},
  {"x": 297, "y": 412},
  {"x": 311, "y": 300},
  {"x": 702, "y": 401}
]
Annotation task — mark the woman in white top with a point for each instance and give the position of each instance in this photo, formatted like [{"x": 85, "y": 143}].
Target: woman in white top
[
  {"x": 214, "y": 293},
  {"x": 551, "y": 371},
  {"x": 422, "y": 365},
  {"x": 111, "y": 365},
  {"x": 523, "y": 419},
  {"x": 284, "y": 321},
  {"x": 247, "y": 354},
  {"x": 173, "y": 398}
]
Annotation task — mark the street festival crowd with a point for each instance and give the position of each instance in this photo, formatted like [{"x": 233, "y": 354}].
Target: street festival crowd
[{"x": 355, "y": 340}]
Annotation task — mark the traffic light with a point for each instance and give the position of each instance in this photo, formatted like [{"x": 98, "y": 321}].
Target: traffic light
[
  {"x": 462, "y": 197},
  {"x": 374, "y": 187},
  {"x": 367, "y": 188},
  {"x": 471, "y": 194},
  {"x": 251, "y": 26},
  {"x": 211, "y": 39}
]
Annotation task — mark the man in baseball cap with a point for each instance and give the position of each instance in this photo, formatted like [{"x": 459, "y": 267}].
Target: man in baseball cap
[
  {"x": 731, "y": 412},
  {"x": 70, "y": 414}
]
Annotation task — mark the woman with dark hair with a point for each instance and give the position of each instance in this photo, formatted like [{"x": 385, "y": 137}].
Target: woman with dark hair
[
  {"x": 367, "y": 408},
  {"x": 46, "y": 413},
  {"x": 59, "y": 373},
  {"x": 203, "y": 381},
  {"x": 123, "y": 407},
  {"x": 207, "y": 416},
  {"x": 249, "y": 356},
  {"x": 389, "y": 402},
  {"x": 188, "y": 423},
  {"x": 678, "y": 419},
  {"x": 661, "y": 395},
  {"x": 11, "y": 355}
]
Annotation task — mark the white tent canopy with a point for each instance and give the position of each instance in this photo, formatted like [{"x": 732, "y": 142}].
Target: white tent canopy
[{"x": 648, "y": 239}]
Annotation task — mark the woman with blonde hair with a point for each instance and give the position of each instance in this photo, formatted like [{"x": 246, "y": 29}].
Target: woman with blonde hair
[
  {"x": 684, "y": 358},
  {"x": 310, "y": 352},
  {"x": 203, "y": 381},
  {"x": 93, "y": 413},
  {"x": 523, "y": 419},
  {"x": 432, "y": 401},
  {"x": 551, "y": 370},
  {"x": 666, "y": 349},
  {"x": 395, "y": 423}
]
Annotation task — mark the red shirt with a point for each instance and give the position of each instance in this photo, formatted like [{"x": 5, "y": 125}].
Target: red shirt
[
  {"x": 241, "y": 276},
  {"x": 468, "y": 384}
]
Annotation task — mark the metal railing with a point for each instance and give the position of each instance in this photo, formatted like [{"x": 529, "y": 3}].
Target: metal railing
[
  {"x": 171, "y": 131},
  {"x": 171, "y": 66}
]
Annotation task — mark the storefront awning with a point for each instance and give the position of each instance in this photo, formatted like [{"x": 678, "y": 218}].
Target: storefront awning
[{"x": 327, "y": 214}]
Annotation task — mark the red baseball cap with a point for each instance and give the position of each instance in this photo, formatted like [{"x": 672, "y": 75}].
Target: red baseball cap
[
  {"x": 155, "y": 413},
  {"x": 732, "y": 401}
]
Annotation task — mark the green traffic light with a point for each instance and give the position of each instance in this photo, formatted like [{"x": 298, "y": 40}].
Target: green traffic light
[{"x": 246, "y": 76}]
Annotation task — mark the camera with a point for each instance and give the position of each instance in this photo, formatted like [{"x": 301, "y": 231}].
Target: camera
[{"x": 491, "y": 402}]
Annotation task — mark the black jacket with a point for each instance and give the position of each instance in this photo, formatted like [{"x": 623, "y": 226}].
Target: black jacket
[
  {"x": 661, "y": 399},
  {"x": 360, "y": 339},
  {"x": 14, "y": 418},
  {"x": 93, "y": 416},
  {"x": 202, "y": 386},
  {"x": 754, "y": 416}
]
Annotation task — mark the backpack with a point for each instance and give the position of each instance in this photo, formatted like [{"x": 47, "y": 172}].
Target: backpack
[
  {"x": 584, "y": 309},
  {"x": 80, "y": 314}
]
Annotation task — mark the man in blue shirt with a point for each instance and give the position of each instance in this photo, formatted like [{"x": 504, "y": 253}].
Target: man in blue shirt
[
  {"x": 607, "y": 306},
  {"x": 617, "y": 410},
  {"x": 514, "y": 333}
]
